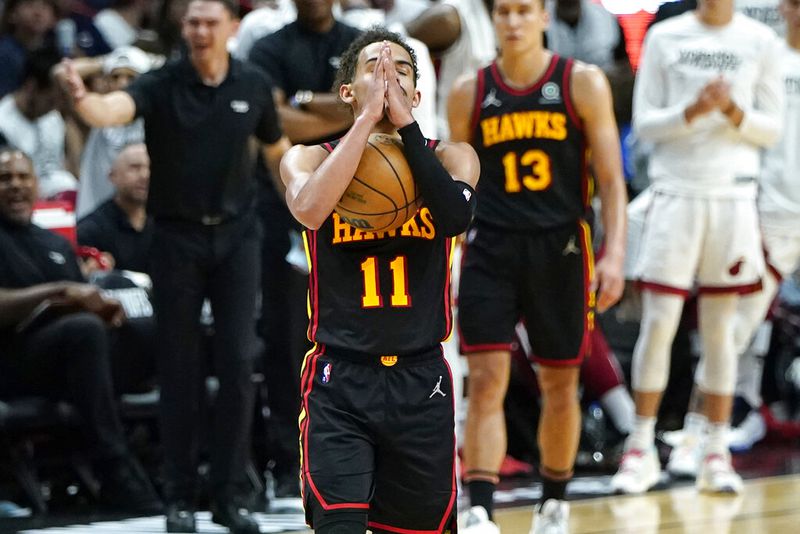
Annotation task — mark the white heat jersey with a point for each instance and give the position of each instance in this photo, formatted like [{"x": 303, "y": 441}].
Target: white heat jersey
[
  {"x": 474, "y": 49},
  {"x": 709, "y": 157},
  {"x": 765, "y": 11},
  {"x": 779, "y": 198}
]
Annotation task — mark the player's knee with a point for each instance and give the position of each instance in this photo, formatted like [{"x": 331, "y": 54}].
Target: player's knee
[
  {"x": 559, "y": 387},
  {"x": 487, "y": 387}
]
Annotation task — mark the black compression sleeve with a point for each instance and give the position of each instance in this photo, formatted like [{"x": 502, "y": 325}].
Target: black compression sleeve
[{"x": 451, "y": 201}]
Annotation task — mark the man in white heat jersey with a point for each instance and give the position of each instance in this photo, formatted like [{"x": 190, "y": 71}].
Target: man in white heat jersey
[
  {"x": 779, "y": 211},
  {"x": 708, "y": 95}
]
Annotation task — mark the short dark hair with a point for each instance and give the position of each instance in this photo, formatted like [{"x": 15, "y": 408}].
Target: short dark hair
[
  {"x": 6, "y": 26},
  {"x": 349, "y": 60},
  {"x": 38, "y": 65},
  {"x": 231, "y": 6}
]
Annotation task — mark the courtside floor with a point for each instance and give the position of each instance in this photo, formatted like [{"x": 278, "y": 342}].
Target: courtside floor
[{"x": 769, "y": 504}]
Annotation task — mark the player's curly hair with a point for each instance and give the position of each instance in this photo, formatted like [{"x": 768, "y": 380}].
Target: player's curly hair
[{"x": 349, "y": 59}]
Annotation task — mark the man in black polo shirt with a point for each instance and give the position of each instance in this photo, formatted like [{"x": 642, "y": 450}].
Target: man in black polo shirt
[
  {"x": 200, "y": 113},
  {"x": 120, "y": 226},
  {"x": 53, "y": 334}
]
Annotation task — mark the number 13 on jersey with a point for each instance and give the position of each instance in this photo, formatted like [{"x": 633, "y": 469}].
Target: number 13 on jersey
[
  {"x": 372, "y": 297},
  {"x": 535, "y": 161}
]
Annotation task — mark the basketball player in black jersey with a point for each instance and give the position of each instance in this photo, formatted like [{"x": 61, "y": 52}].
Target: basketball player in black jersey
[
  {"x": 377, "y": 418},
  {"x": 531, "y": 117}
]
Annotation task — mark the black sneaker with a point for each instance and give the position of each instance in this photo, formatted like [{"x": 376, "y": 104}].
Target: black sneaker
[
  {"x": 125, "y": 487},
  {"x": 180, "y": 518},
  {"x": 238, "y": 520}
]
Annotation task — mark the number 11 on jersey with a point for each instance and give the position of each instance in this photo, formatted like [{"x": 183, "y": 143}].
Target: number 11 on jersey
[{"x": 372, "y": 297}]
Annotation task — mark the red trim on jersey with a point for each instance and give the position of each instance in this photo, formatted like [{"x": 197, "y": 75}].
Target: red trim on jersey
[
  {"x": 585, "y": 176},
  {"x": 328, "y": 147},
  {"x": 742, "y": 289},
  {"x": 662, "y": 288},
  {"x": 774, "y": 271},
  {"x": 307, "y": 387},
  {"x": 476, "y": 106},
  {"x": 770, "y": 267},
  {"x": 486, "y": 347},
  {"x": 313, "y": 286},
  {"x": 399, "y": 530},
  {"x": 526, "y": 90},
  {"x": 567, "y": 89}
]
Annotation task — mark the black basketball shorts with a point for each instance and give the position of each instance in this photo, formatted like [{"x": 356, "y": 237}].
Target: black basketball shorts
[
  {"x": 542, "y": 279},
  {"x": 378, "y": 436}
]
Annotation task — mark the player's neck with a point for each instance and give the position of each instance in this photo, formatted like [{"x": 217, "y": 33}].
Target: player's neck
[
  {"x": 525, "y": 69},
  {"x": 720, "y": 16},
  {"x": 212, "y": 71}
]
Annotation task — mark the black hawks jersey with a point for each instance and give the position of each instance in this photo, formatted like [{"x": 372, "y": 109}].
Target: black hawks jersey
[
  {"x": 532, "y": 151},
  {"x": 383, "y": 293}
]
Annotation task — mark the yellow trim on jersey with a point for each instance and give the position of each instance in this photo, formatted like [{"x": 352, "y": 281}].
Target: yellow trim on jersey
[
  {"x": 587, "y": 238},
  {"x": 308, "y": 262},
  {"x": 453, "y": 243}
]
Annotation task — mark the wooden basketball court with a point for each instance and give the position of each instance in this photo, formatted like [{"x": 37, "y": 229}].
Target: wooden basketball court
[{"x": 766, "y": 506}]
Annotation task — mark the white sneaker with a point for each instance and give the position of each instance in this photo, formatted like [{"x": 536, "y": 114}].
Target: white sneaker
[
  {"x": 717, "y": 475},
  {"x": 684, "y": 460},
  {"x": 552, "y": 517},
  {"x": 638, "y": 471},
  {"x": 476, "y": 521},
  {"x": 748, "y": 433}
]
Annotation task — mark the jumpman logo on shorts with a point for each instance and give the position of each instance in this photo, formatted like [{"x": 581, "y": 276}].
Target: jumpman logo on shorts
[{"x": 437, "y": 389}]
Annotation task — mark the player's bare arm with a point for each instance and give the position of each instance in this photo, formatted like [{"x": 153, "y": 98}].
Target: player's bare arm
[
  {"x": 592, "y": 97},
  {"x": 96, "y": 110},
  {"x": 316, "y": 180},
  {"x": 460, "y": 105}
]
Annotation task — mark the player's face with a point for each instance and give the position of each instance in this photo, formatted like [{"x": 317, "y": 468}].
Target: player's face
[
  {"x": 519, "y": 23},
  {"x": 207, "y": 26},
  {"x": 368, "y": 60},
  {"x": 790, "y": 9},
  {"x": 17, "y": 187}
]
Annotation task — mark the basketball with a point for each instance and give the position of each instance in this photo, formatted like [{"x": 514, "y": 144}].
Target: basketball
[{"x": 383, "y": 194}]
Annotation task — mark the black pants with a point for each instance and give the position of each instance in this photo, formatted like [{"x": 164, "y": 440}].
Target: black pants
[
  {"x": 191, "y": 262},
  {"x": 282, "y": 327},
  {"x": 68, "y": 359}
]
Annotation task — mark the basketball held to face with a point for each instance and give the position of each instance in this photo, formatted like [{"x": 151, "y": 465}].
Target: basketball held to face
[{"x": 382, "y": 195}]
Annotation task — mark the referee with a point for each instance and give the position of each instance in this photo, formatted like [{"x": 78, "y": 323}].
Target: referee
[{"x": 200, "y": 113}]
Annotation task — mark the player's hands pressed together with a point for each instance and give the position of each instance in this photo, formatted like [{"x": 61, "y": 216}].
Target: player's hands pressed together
[
  {"x": 608, "y": 282},
  {"x": 715, "y": 95},
  {"x": 374, "y": 108},
  {"x": 397, "y": 109}
]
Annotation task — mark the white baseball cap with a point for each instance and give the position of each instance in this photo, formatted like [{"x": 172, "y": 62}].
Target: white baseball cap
[{"x": 127, "y": 57}]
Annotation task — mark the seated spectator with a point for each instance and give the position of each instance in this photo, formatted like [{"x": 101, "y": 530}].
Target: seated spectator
[
  {"x": 54, "y": 336},
  {"x": 26, "y": 25},
  {"x": 120, "y": 226},
  {"x": 29, "y": 120}
]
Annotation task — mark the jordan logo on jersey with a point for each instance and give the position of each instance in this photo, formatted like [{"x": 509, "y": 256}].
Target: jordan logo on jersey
[
  {"x": 571, "y": 247},
  {"x": 491, "y": 99}
]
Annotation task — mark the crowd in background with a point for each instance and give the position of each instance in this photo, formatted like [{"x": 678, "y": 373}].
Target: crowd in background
[{"x": 102, "y": 174}]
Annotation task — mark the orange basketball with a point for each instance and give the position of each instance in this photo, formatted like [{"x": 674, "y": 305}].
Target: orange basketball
[{"x": 383, "y": 194}]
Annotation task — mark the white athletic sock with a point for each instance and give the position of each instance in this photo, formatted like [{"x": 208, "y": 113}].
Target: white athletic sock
[
  {"x": 717, "y": 442},
  {"x": 694, "y": 425},
  {"x": 644, "y": 434}
]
